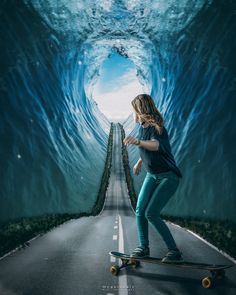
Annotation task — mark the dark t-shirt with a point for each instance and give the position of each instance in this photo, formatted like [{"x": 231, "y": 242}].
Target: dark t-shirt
[{"x": 161, "y": 160}]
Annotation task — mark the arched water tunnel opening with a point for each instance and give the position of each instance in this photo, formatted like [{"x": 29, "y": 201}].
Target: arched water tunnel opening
[
  {"x": 69, "y": 70},
  {"x": 115, "y": 86}
]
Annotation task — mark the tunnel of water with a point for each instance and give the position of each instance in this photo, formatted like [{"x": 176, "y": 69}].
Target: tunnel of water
[{"x": 53, "y": 135}]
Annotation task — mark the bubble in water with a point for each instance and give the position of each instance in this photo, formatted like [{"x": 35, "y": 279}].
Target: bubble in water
[{"x": 229, "y": 234}]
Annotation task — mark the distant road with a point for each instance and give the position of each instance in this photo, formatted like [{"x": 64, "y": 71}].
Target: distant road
[{"x": 73, "y": 259}]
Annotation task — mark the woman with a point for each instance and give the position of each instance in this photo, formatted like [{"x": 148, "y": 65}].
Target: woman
[{"x": 161, "y": 180}]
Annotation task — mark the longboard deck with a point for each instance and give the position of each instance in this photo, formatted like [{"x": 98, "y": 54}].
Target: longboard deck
[
  {"x": 184, "y": 264},
  {"x": 217, "y": 270}
]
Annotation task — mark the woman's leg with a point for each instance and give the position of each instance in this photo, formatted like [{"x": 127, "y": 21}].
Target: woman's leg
[
  {"x": 148, "y": 186},
  {"x": 167, "y": 185}
]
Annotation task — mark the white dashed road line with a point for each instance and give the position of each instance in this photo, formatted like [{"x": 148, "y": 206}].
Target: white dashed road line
[
  {"x": 112, "y": 259},
  {"x": 123, "y": 277}
]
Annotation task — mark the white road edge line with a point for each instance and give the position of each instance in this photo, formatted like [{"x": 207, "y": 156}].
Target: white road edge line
[
  {"x": 17, "y": 248},
  {"x": 206, "y": 242},
  {"x": 122, "y": 278}
]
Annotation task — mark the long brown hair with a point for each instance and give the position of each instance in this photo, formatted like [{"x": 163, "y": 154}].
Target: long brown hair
[{"x": 147, "y": 111}]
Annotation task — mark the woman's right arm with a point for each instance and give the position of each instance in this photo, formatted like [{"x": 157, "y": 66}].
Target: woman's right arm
[{"x": 137, "y": 167}]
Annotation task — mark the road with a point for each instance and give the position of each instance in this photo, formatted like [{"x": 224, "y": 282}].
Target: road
[{"x": 73, "y": 258}]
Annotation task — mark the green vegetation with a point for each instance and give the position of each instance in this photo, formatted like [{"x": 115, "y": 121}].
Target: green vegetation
[
  {"x": 221, "y": 234},
  {"x": 128, "y": 177},
  {"x": 17, "y": 232},
  {"x": 105, "y": 177}
]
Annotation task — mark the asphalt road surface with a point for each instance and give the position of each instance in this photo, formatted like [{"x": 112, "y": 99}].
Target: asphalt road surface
[{"x": 73, "y": 258}]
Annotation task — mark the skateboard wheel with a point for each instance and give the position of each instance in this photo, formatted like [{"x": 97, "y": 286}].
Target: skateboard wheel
[
  {"x": 207, "y": 282},
  {"x": 114, "y": 269}
]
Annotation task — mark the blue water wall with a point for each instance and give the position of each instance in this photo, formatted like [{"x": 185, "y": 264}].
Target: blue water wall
[{"x": 53, "y": 139}]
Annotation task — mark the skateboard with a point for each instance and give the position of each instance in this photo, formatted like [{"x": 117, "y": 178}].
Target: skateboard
[{"x": 217, "y": 270}]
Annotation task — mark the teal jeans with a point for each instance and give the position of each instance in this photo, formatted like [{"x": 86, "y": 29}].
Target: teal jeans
[{"x": 155, "y": 192}]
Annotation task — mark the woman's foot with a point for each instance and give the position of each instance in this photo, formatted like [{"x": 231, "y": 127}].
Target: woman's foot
[
  {"x": 140, "y": 251},
  {"x": 173, "y": 256}
]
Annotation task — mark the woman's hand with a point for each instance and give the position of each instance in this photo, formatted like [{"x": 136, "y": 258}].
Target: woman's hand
[
  {"x": 137, "y": 168},
  {"x": 130, "y": 140}
]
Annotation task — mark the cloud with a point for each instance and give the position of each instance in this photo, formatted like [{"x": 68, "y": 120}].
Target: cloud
[{"x": 116, "y": 104}]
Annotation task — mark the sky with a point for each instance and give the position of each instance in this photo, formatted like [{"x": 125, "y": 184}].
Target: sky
[{"x": 116, "y": 87}]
